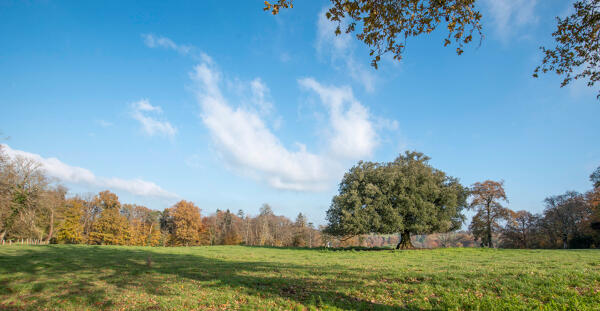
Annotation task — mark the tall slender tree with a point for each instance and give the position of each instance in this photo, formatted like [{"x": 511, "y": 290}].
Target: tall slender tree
[{"x": 486, "y": 201}]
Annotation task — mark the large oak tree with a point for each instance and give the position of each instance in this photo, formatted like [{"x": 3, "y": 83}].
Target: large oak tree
[{"x": 406, "y": 196}]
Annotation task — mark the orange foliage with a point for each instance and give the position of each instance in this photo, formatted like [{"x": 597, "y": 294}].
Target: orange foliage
[{"x": 187, "y": 226}]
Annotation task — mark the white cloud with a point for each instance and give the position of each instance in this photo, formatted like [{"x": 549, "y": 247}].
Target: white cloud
[
  {"x": 260, "y": 95},
  {"x": 153, "y": 41},
  {"x": 387, "y": 124},
  {"x": 340, "y": 49},
  {"x": 144, "y": 105},
  {"x": 146, "y": 114},
  {"x": 81, "y": 176},
  {"x": 352, "y": 134},
  {"x": 327, "y": 40},
  {"x": 510, "y": 15},
  {"x": 247, "y": 144}
]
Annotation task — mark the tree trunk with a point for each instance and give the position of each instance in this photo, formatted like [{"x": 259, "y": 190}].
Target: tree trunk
[
  {"x": 405, "y": 242},
  {"x": 51, "y": 231},
  {"x": 2, "y": 234},
  {"x": 489, "y": 235}
]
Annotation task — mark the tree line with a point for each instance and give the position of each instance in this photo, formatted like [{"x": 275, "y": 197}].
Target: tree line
[
  {"x": 569, "y": 220},
  {"x": 33, "y": 207},
  {"x": 406, "y": 202}
]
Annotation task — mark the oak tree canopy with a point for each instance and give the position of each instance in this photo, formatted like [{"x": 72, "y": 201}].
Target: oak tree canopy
[
  {"x": 386, "y": 25},
  {"x": 406, "y": 196}
]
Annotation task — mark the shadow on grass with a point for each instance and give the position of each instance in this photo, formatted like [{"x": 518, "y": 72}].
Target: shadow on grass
[
  {"x": 45, "y": 267},
  {"x": 322, "y": 248}
]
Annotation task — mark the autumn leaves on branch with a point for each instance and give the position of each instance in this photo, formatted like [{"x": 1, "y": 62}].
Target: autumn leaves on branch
[{"x": 386, "y": 25}]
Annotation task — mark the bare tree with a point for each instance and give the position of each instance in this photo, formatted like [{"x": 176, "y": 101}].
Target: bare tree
[
  {"x": 520, "y": 230},
  {"x": 24, "y": 184}
]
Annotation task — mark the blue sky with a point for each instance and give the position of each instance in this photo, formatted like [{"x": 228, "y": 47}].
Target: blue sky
[{"x": 227, "y": 106}]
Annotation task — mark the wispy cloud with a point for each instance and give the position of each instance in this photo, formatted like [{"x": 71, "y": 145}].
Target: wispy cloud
[
  {"x": 352, "y": 134},
  {"x": 104, "y": 123},
  {"x": 509, "y": 16},
  {"x": 81, "y": 176},
  {"x": 340, "y": 49},
  {"x": 261, "y": 95},
  {"x": 154, "y": 41},
  {"x": 246, "y": 143},
  {"x": 248, "y": 146},
  {"x": 147, "y": 115}
]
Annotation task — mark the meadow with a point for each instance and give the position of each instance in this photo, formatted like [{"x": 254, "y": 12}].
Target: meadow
[{"x": 80, "y": 277}]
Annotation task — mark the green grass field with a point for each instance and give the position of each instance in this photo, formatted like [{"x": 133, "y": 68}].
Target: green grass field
[{"x": 59, "y": 277}]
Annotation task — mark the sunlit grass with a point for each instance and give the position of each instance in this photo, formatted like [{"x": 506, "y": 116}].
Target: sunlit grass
[{"x": 236, "y": 277}]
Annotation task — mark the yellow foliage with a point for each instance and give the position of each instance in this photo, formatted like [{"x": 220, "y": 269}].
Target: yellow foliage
[
  {"x": 71, "y": 229},
  {"x": 111, "y": 228}
]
